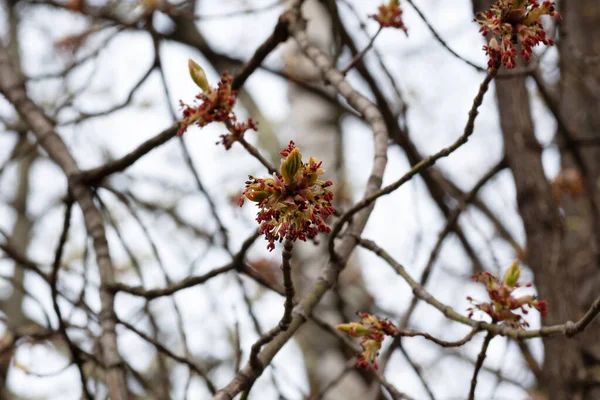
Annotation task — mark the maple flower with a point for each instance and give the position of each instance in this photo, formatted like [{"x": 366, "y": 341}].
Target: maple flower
[
  {"x": 503, "y": 303},
  {"x": 513, "y": 22},
  {"x": 390, "y": 16},
  {"x": 294, "y": 204},
  {"x": 372, "y": 331},
  {"x": 214, "y": 105}
]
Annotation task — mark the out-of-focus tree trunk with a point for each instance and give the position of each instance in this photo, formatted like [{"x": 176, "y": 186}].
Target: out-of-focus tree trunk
[
  {"x": 579, "y": 102},
  {"x": 21, "y": 232},
  {"x": 19, "y": 239},
  {"x": 560, "y": 249},
  {"x": 316, "y": 125}
]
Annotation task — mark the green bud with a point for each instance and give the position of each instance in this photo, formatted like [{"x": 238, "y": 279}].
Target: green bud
[
  {"x": 198, "y": 75},
  {"x": 511, "y": 276},
  {"x": 352, "y": 328},
  {"x": 291, "y": 165}
]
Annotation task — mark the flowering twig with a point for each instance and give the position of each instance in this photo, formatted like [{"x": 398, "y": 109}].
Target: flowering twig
[
  {"x": 214, "y": 104},
  {"x": 247, "y": 375},
  {"x": 503, "y": 303},
  {"x": 372, "y": 332},
  {"x": 568, "y": 329},
  {"x": 511, "y": 22},
  {"x": 294, "y": 204},
  {"x": 451, "y": 221},
  {"x": 390, "y": 16}
]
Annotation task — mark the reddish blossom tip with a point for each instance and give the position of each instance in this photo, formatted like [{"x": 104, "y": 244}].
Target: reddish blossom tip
[{"x": 286, "y": 152}]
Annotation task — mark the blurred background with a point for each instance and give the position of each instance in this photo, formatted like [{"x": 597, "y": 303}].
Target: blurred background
[{"x": 110, "y": 74}]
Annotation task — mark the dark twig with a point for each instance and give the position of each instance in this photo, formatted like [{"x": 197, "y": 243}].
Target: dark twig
[
  {"x": 151, "y": 294},
  {"x": 280, "y": 34},
  {"x": 451, "y": 222},
  {"x": 360, "y": 55},
  {"x": 286, "y": 319},
  {"x": 349, "y": 366},
  {"x": 99, "y": 173},
  {"x": 62, "y": 326},
  {"x": 211, "y": 204},
  {"x": 85, "y": 116},
  {"x": 417, "y": 369},
  {"x": 256, "y": 154},
  {"x": 479, "y": 364},
  {"x": 442, "y": 343},
  {"x": 44, "y": 129},
  {"x": 288, "y": 285},
  {"x": 169, "y": 353},
  {"x": 568, "y": 329},
  {"x": 422, "y": 165}
]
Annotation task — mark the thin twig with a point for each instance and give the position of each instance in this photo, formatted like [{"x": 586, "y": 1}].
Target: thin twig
[
  {"x": 286, "y": 319},
  {"x": 99, "y": 173},
  {"x": 288, "y": 285},
  {"x": 169, "y": 353},
  {"x": 62, "y": 326},
  {"x": 360, "y": 55},
  {"x": 256, "y": 154},
  {"x": 348, "y": 367},
  {"x": 422, "y": 165},
  {"x": 479, "y": 364},
  {"x": 45, "y": 132},
  {"x": 451, "y": 221},
  {"x": 417, "y": 369},
  {"x": 280, "y": 34},
  {"x": 568, "y": 329}
]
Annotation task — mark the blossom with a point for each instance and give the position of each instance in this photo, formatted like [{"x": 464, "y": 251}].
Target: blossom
[
  {"x": 513, "y": 22},
  {"x": 503, "y": 303},
  {"x": 294, "y": 204},
  {"x": 214, "y": 105},
  {"x": 390, "y": 16},
  {"x": 372, "y": 332}
]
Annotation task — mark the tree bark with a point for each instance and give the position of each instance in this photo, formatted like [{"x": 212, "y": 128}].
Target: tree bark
[{"x": 560, "y": 246}]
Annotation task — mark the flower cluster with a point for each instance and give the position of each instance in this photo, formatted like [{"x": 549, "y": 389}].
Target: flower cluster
[
  {"x": 390, "y": 16},
  {"x": 293, "y": 205},
  {"x": 372, "y": 331},
  {"x": 503, "y": 304},
  {"x": 514, "y": 22},
  {"x": 214, "y": 105}
]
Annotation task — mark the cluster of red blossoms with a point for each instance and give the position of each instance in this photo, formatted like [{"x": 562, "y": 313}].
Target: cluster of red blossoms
[
  {"x": 293, "y": 205},
  {"x": 390, "y": 16},
  {"x": 372, "y": 331},
  {"x": 515, "y": 22},
  {"x": 213, "y": 105},
  {"x": 503, "y": 304}
]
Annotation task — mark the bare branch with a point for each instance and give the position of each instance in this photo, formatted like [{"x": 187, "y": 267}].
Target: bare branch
[{"x": 14, "y": 90}]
